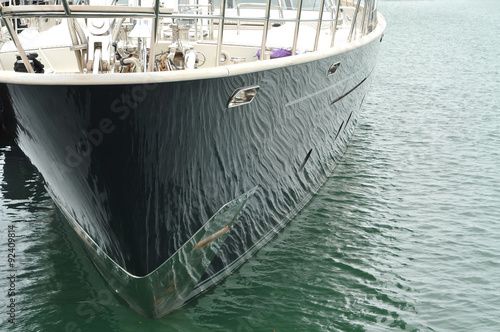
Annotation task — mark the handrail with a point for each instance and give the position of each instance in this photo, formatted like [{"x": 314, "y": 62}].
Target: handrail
[
  {"x": 156, "y": 12},
  {"x": 197, "y": 7},
  {"x": 253, "y": 5},
  {"x": 163, "y": 13},
  {"x": 82, "y": 11},
  {"x": 87, "y": 11}
]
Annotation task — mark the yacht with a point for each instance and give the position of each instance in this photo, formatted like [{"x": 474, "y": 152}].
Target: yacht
[{"x": 179, "y": 137}]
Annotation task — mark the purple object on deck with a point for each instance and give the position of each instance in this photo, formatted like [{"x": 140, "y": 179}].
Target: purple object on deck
[{"x": 277, "y": 53}]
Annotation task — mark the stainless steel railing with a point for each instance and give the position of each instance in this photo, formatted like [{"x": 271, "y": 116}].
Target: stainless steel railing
[{"x": 214, "y": 21}]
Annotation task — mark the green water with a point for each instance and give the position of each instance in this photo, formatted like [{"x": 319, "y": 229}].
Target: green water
[{"x": 404, "y": 236}]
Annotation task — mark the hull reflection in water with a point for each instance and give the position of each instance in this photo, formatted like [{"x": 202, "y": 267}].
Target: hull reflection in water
[
  {"x": 170, "y": 285},
  {"x": 173, "y": 179}
]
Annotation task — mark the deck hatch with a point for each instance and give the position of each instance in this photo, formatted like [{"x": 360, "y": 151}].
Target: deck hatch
[{"x": 243, "y": 96}]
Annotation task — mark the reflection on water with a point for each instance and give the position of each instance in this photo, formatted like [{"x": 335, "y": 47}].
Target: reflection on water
[
  {"x": 318, "y": 272},
  {"x": 52, "y": 276}
]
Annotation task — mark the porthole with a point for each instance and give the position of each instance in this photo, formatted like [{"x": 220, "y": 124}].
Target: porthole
[
  {"x": 243, "y": 96},
  {"x": 333, "y": 68}
]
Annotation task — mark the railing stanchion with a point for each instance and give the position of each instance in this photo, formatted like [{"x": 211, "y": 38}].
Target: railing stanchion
[
  {"x": 297, "y": 26},
  {"x": 66, "y": 8},
  {"x": 320, "y": 22},
  {"x": 354, "y": 20},
  {"x": 220, "y": 33},
  {"x": 366, "y": 10},
  {"x": 211, "y": 24},
  {"x": 280, "y": 8},
  {"x": 337, "y": 10},
  {"x": 19, "y": 47},
  {"x": 264, "y": 31},
  {"x": 154, "y": 37}
]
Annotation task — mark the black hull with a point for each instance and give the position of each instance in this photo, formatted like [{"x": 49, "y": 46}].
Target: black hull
[
  {"x": 140, "y": 168},
  {"x": 7, "y": 118}
]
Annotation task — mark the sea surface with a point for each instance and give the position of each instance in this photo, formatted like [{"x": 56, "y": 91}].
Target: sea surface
[{"x": 405, "y": 235}]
